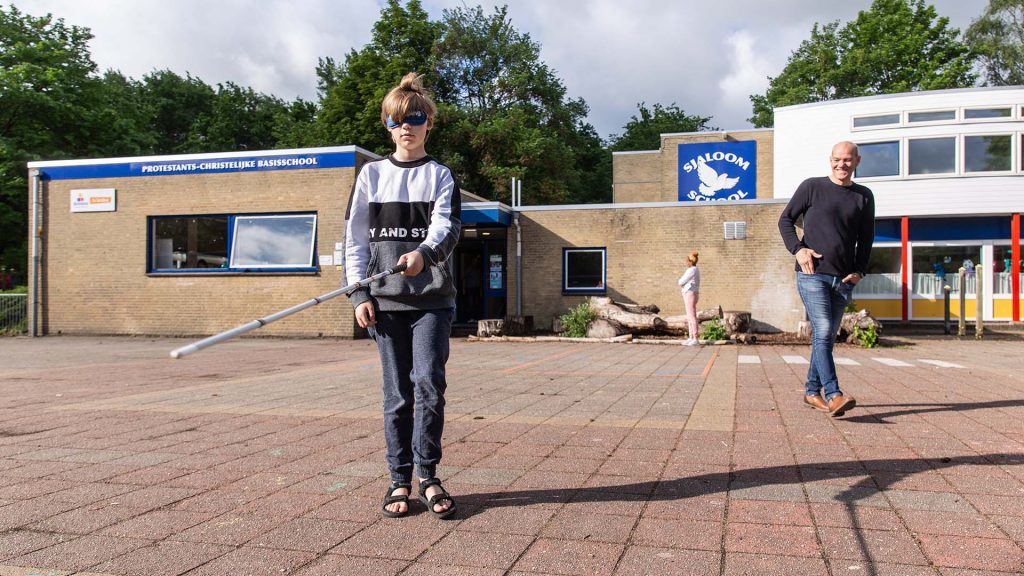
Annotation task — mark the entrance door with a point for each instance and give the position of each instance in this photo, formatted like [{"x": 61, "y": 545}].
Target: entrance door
[
  {"x": 469, "y": 281},
  {"x": 480, "y": 280}
]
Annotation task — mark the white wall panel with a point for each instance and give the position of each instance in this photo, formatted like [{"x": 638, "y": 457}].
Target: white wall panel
[{"x": 804, "y": 136}]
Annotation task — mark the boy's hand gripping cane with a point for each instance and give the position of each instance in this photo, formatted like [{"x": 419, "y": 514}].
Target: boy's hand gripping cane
[{"x": 248, "y": 327}]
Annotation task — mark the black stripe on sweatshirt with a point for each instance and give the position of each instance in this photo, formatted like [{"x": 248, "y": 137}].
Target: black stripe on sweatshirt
[{"x": 401, "y": 221}]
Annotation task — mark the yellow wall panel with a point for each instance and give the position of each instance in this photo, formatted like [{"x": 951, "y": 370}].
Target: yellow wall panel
[{"x": 926, "y": 309}]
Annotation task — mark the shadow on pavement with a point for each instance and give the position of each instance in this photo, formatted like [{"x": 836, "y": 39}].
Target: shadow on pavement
[{"x": 926, "y": 407}]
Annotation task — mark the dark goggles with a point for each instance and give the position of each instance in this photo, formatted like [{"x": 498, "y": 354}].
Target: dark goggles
[{"x": 413, "y": 119}]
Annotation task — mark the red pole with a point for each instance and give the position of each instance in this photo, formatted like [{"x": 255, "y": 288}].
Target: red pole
[
  {"x": 1015, "y": 266},
  {"x": 904, "y": 272}
]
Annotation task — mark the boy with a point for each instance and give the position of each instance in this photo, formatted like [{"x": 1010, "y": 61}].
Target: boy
[{"x": 405, "y": 209}]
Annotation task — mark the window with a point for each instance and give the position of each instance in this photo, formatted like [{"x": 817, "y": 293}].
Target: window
[
  {"x": 230, "y": 243},
  {"x": 880, "y": 120},
  {"x": 879, "y": 159},
  {"x": 986, "y": 113},
  {"x": 931, "y": 116},
  {"x": 931, "y": 156},
  {"x": 883, "y": 277},
  {"x": 987, "y": 153},
  {"x": 197, "y": 242},
  {"x": 1003, "y": 270},
  {"x": 937, "y": 266},
  {"x": 273, "y": 241},
  {"x": 584, "y": 270}
]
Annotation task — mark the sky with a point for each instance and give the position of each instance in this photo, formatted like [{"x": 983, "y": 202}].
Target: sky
[{"x": 705, "y": 57}]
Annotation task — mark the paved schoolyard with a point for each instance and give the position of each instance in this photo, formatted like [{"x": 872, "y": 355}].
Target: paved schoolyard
[{"x": 266, "y": 457}]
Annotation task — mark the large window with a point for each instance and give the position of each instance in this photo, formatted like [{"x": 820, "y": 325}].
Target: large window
[
  {"x": 879, "y": 159},
  {"x": 273, "y": 241},
  {"x": 987, "y": 153},
  {"x": 936, "y": 266},
  {"x": 1004, "y": 271},
  {"x": 233, "y": 243},
  {"x": 931, "y": 155},
  {"x": 584, "y": 270},
  {"x": 883, "y": 277}
]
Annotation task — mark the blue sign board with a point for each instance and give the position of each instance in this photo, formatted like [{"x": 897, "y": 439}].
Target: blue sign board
[
  {"x": 205, "y": 165},
  {"x": 718, "y": 171}
]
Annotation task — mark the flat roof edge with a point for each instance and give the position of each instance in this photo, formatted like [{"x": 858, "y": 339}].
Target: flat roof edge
[
  {"x": 611, "y": 206},
  {"x": 200, "y": 156},
  {"x": 898, "y": 95}
]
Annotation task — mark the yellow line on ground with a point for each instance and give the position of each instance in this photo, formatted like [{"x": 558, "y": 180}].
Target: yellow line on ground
[{"x": 715, "y": 408}]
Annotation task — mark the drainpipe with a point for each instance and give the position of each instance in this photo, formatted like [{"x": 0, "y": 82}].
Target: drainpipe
[
  {"x": 517, "y": 191},
  {"x": 36, "y": 256}
]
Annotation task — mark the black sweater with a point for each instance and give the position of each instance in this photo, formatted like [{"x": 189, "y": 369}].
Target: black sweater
[{"x": 839, "y": 224}]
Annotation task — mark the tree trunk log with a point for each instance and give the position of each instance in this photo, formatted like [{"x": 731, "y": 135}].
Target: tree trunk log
[
  {"x": 630, "y": 321},
  {"x": 852, "y": 320},
  {"x": 518, "y": 325},
  {"x": 488, "y": 328},
  {"x": 639, "y": 308},
  {"x": 708, "y": 314},
  {"x": 603, "y": 328},
  {"x": 736, "y": 322}
]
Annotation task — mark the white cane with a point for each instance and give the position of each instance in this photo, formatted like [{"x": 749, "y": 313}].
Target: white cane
[{"x": 250, "y": 326}]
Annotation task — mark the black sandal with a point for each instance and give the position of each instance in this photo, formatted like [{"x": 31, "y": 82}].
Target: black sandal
[
  {"x": 442, "y": 496},
  {"x": 390, "y": 498}
]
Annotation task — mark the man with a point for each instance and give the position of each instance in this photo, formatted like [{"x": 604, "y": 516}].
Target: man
[{"x": 831, "y": 257}]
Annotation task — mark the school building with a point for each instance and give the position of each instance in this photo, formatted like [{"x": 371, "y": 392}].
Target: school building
[{"x": 196, "y": 244}]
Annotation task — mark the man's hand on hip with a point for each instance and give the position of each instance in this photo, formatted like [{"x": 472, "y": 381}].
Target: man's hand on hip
[{"x": 805, "y": 258}]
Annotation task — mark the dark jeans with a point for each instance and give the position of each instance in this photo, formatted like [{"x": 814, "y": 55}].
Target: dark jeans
[
  {"x": 413, "y": 348},
  {"x": 825, "y": 297}
]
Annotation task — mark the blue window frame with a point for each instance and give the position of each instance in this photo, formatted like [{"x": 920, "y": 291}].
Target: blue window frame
[
  {"x": 584, "y": 270},
  {"x": 232, "y": 243}
]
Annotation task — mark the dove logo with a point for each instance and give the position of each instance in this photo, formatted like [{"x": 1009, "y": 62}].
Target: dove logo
[{"x": 718, "y": 171}]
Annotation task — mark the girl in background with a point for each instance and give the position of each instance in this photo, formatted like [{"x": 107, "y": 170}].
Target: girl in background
[{"x": 689, "y": 283}]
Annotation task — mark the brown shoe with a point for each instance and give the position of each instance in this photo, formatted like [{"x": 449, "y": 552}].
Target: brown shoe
[
  {"x": 815, "y": 401},
  {"x": 839, "y": 404}
]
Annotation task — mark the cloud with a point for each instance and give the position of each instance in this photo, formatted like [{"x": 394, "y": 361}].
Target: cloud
[
  {"x": 707, "y": 57},
  {"x": 748, "y": 72}
]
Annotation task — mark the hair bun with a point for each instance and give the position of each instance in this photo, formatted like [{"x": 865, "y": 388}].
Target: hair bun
[{"x": 412, "y": 82}]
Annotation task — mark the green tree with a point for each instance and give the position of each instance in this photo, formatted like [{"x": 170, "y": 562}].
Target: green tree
[
  {"x": 507, "y": 114},
  {"x": 997, "y": 37},
  {"x": 351, "y": 93},
  {"x": 501, "y": 111},
  {"x": 895, "y": 46},
  {"x": 174, "y": 103},
  {"x": 48, "y": 97},
  {"x": 644, "y": 133},
  {"x": 239, "y": 119}
]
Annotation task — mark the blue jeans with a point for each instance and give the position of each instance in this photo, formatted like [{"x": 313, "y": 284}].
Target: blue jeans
[
  {"x": 825, "y": 297},
  {"x": 413, "y": 348}
]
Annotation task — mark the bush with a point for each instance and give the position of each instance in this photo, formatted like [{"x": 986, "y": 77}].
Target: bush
[
  {"x": 868, "y": 337},
  {"x": 713, "y": 330},
  {"x": 578, "y": 320}
]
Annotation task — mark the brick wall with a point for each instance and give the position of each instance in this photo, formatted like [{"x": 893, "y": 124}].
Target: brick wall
[
  {"x": 646, "y": 252},
  {"x": 94, "y": 272},
  {"x": 653, "y": 176}
]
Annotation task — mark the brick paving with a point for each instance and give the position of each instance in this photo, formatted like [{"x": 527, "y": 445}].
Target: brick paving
[{"x": 265, "y": 456}]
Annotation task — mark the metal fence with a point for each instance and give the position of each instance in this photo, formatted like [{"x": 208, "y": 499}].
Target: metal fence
[{"x": 13, "y": 314}]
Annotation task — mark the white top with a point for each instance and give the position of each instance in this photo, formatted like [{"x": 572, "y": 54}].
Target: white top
[{"x": 690, "y": 280}]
